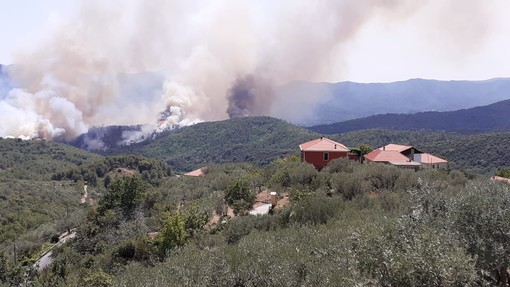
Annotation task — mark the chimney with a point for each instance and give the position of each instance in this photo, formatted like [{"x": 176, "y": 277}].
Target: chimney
[
  {"x": 273, "y": 199},
  {"x": 321, "y": 138},
  {"x": 384, "y": 148},
  {"x": 335, "y": 146}
]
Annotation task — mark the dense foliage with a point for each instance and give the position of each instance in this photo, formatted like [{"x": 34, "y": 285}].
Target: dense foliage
[
  {"x": 504, "y": 172},
  {"x": 260, "y": 140},
  {"x": 257, "y": 140},
  {"x": 350, "y": 224},
  {"x": 480, "y": 153},
  {"x": 493, "y": 117},
  {"x": 38, "y": 159},
  {"x": 150, "y": 169},
  {"x": 32, "y": 208}
]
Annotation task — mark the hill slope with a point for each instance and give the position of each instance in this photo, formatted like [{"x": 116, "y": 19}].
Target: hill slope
[
  {"x": 478, "y": 152},
  {"x": 37, "y": 160},
  {"x": 486, "y": 118},
  {"x": 255, "y": 139},
  {"x": 310, "y": 104},
  {"x": 261, "y": 140}
]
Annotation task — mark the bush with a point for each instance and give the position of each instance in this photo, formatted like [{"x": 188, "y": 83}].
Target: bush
[
  {"x": 408, "y": 254},
  {"x": 349, "y": 185},
  {"x": 341, "y": 165},
  {"x": 239, "y": 196},
  {"x": 97, "y": 278},
  {"x": 314, "y": 210},
  {"x": 173, "y": 233}
]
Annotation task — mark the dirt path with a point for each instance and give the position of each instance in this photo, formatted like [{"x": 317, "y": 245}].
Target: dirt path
[{"x": 85, "y": 194}]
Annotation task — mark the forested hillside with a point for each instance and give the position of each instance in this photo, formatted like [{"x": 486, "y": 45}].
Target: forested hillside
[
  {"x": 32, "y": 207},
  {"x": 260, "y": 140},
  {"x": 38, "y": 159},
  {"x": 492, "y": 117},
  {"x": 42, "y": 188},
  {"x": 350, "y": 224},
  {"x": 480, "y": 153},
  {"x": 254, "y": 139}
]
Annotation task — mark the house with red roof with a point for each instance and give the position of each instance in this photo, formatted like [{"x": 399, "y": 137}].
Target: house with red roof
[
  {"x": 392, "y": 157},
  {"x": 408, "y": 151},
  {"x": 321, "y": 151},
  {"x": 406, "y": 156}
]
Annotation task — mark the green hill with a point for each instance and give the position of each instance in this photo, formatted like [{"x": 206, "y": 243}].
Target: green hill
[
  {"x": 258, "y": 140},
  {"x": 394, "y": 224},
  {"x": 488, "y": 118},
  {"x": 31, "y": 206},
  {"x": 37, "y": 160},
  {"x": 41, "y": 184},
  {"x": 478, "y": 152}
]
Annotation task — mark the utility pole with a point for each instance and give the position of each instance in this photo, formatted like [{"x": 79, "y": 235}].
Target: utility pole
[
  {"x": 14, "y": 254},
  {"x": 67, "y": 223}
]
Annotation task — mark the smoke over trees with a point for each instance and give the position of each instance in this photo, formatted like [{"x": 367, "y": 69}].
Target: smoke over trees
[
  {"x": 218, "y": 59},
  {"x": 249, "y": 96}
]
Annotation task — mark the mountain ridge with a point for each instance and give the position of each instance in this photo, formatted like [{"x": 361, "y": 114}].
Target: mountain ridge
[
  {"x": 335, "y": 102},
  {"x": 314, "y": 103},
  {"x": 261, "y": 140},
  {"x": 493, "y": 117}
]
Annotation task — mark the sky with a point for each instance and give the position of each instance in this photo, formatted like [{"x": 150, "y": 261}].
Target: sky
[
  {"x": 24, "y": 24},
  {"x": 436, "y": 40},
  {"x": 202, "y": 60}
]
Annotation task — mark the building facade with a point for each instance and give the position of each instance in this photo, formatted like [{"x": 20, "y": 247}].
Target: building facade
[{"x": 321, "y": 151}]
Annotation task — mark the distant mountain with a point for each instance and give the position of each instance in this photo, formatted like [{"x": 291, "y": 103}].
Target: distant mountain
[
  {"x": 309, "y": 104},
  {"x": 5, "y": 83},
  {"x": 494, "y": 117}
]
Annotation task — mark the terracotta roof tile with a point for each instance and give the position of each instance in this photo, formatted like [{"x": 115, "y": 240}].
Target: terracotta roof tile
[
  {"x": 386, "y": 156},
  {"x": 397, "y": 147},
  {"x": 428, "y": 158},
  {"x": 323, "y": 144}
]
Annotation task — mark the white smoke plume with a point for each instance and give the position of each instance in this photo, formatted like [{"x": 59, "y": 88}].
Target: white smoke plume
[{"x": 216, "y": 56}]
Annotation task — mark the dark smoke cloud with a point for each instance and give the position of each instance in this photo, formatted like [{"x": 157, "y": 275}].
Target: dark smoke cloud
[
  {"x": 200, "y": 47},
  {"x": 250, "y": 96}
]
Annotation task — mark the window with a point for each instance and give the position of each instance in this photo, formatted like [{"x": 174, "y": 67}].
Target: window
[{"x": 326, "y": 156}]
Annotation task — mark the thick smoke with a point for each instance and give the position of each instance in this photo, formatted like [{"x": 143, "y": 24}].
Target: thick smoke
[
  {"x": 219, "y": 59},
  {"x": 249, "y": 96}
]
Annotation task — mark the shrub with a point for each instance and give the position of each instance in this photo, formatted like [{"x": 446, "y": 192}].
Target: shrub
[
  {"x": 314, "y": 210},
  {"x": 349, "y": 185},
  {"x": 239, "y": 196},
  {"x": 173, "y": 234}
]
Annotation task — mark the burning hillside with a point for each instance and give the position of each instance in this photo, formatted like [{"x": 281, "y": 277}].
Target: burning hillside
[{"x": 216, "y": 60}]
